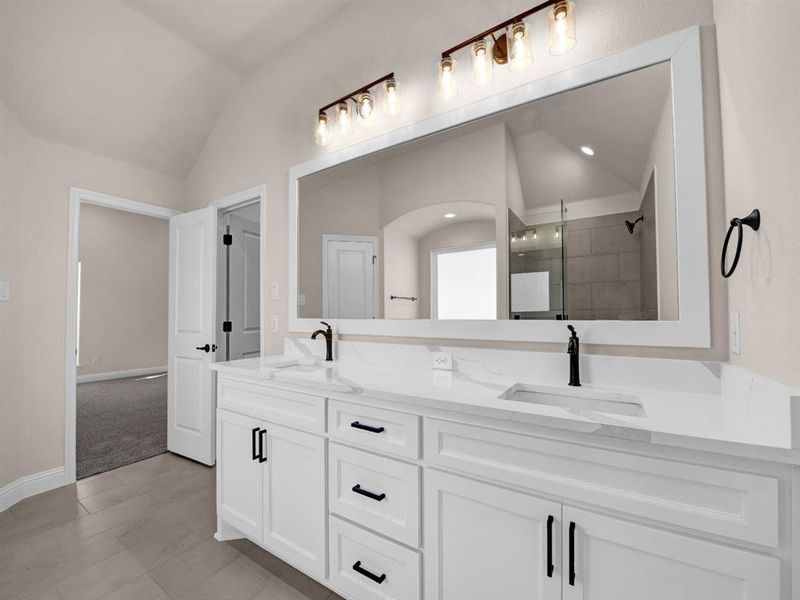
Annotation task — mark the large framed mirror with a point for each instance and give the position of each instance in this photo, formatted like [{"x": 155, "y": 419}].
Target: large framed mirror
[{"x": 578, "y": 197}]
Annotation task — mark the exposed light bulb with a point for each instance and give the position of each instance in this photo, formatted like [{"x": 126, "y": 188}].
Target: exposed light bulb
[
  {"x": 561, "y": 27},
  {"x": 366, "y": 107},
  {"x": 344, "y": 119},
  {"x": 391, "y": 98},
  {"x": 534, "y": 235},
  {"x": 482, "y": 63},
  {"x": 322, "y": 133},
  {"x": 447, "y": 78},
  {"x": 557, "y": 234},
  {"x": 519, "y": 44}
]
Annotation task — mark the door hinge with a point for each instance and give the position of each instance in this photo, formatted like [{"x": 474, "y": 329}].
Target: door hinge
[
  {"x": 374, "y": 258},
  {"x": 227, "y": 326},
  {"x": 227, "y": 239}
]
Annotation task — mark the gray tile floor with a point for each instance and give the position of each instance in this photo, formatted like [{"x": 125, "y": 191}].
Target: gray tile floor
[{"x": 140, "y": 532}]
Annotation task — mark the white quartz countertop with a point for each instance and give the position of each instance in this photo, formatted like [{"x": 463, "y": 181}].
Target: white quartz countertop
[{"x": 698, "y": 421}]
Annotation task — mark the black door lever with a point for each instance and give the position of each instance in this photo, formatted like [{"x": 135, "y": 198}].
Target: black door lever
[{"x": 207, "y": 348}]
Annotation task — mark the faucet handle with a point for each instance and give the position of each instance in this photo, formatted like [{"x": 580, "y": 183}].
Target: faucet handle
[
  {"x": 572, "y": 329},
  {"x": 326, "y": 325}
]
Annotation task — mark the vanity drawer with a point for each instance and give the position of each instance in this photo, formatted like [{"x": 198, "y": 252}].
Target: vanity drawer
[
  {"x": 374, "y": 428},
  {"x": 261, "y": 401},
  {"x": 715, "y": 500},
  {"x": 377, "y": 492},
  {"x": 365, "y": 566}
]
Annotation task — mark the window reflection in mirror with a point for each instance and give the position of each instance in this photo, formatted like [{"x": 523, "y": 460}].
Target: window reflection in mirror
[{"x": 563, "y": 208}]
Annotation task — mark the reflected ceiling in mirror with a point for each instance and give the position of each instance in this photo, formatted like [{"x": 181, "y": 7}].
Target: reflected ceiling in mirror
[{"x": 562, "y": 208}]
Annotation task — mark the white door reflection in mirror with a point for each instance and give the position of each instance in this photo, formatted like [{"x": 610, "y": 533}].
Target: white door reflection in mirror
[
  {"x": 464, "y": 283},
  {"x": 350, "y": 273}
]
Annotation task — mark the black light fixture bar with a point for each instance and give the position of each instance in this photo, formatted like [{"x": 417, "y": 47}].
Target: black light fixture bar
[
  {"x": 352, "y": 95},
  {"x": 497, "y": 27}
]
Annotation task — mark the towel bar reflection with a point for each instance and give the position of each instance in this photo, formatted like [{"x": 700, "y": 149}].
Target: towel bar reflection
[{"x": 412, "y": 298}]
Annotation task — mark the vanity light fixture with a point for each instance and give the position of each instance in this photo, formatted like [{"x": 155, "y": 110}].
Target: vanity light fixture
[
  {"x": 534, "y": 235},
  {"x": 510, "y": 44},
  {"x": 587, "y": 150},
  {"x": 364, "y": 102}
]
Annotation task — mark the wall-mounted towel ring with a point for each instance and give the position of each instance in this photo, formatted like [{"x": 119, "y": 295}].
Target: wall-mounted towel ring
[{"x": 753, "y": 220}]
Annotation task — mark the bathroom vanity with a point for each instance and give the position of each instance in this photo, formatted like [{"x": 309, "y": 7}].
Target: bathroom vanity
[{"x": 390, "y": 480}]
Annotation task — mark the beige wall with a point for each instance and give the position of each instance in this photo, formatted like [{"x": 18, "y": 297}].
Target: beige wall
[
  {"x": 759, "y": 74},
  {"x": 400, "y": 274},
  {"x": 124, "y": 290},
  {"x": 35, "y": 177},
  {"x": 252, "y": 145}
]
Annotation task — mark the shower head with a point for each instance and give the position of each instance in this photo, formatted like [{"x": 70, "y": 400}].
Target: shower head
[{"x": 632, "y": 224}]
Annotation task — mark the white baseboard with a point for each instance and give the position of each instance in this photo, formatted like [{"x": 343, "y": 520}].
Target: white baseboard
[
  {"x": 30, "y": 485},
  {"x": 121, "y": 374}
]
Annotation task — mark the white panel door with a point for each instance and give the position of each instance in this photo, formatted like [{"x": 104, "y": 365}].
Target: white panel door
[
  {"x": 190, "y": 417},
  {"x": 350, "y": 273},
  {"x": 625, "y": 561},
  {"x": 483, "y": 541},
  {"x": 294, "y": 498},
  {"x": 245, "y": 288},
  {"x": 240, "y": 472}
]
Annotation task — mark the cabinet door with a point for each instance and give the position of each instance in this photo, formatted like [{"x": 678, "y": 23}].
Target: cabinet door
[
  {"x": 484, "y": 541},
  {"x": 240, "y": 474},
  {"x": 621, "y": 560},
  {"x": 294, "y": 497}
]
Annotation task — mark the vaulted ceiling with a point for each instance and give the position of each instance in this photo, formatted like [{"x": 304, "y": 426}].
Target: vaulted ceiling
[{"x": 142, "y": 81}]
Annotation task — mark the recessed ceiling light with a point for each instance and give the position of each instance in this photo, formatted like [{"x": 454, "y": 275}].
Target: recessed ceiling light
[
  {"x": 587, "y": 151},
  {"x": 449, "y": 215}
]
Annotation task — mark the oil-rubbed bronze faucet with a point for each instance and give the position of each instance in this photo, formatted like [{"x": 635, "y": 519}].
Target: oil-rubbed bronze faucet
[
  {"x": 573, "y": 349},
  {"x": 328, "y": 333}
]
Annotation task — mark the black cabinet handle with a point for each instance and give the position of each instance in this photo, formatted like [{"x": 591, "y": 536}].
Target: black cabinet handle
[
  {"x": 370, "y": 428},
  {"x": 357, "y": 489},
  {"x": 262, "y": 435},
  {"x": 253, "y": 442},
  {"x": 572, "y": 553},
  {"x": 550, "y": 566},
  {"x": 361, "y": 570}
]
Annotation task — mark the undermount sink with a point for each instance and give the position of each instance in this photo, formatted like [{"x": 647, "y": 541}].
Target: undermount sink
[{"x": 577, "y": 398}]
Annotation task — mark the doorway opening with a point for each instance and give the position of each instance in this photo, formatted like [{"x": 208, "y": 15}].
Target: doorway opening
[{"x": 116, "y": 400}]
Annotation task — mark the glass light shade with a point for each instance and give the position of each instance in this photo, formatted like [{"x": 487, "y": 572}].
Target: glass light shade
[
  {"x": 447, "y": 78},
  {"x": 519, "y": 47},
  {"x": 391, "y": 98},
  {"x": 344, "y": 119},
  {"x": 482, "y": 62},
  {"x": 322, "y": 132},
  {"x": 561, "y": 27},
  {"x": 366, "y": 107}
]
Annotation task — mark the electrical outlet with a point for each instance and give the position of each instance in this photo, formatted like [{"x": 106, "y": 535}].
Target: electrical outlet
[
  {"x": 273, "y": 294},
  {"x": 5, "y": 291},
  {"x": 443, "y": 360},
  {"x": 95, "y": 360},
  {"x": 273, "y": 323},
  {"x": 301, "y": 299},
  {"x": 735, "y": 334}
]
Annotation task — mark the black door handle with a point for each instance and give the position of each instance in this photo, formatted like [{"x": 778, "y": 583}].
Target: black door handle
[
  {"x": 357, "y": 489},
  {"x": 361, "y": 570},
  {"x": 262, "y": 436},
  {"x": 207, "y": 348},
  {"x": 550, "y": 566},
  {"x": 572, "y": 553},
  {"x": 253, "y": 442},
  {"x": 369, "y": 428}
]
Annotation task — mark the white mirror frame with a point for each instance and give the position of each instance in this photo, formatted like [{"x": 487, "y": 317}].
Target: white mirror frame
[{"x": 692, "y": 329}]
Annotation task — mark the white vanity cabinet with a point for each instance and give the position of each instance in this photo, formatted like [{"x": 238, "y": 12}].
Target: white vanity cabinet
[{"x": 389, "y": 501}]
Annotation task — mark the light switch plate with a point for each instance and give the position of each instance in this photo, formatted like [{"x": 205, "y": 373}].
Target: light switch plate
[
  {"x": 301, "y": 299},
  {"x": 735, "y": 334},
  {"x": 5, "y": 291},
  {"x": 274, "y": 323},
  {"x": 273, "y": 294},
  {"x": 443, "y": 360}
]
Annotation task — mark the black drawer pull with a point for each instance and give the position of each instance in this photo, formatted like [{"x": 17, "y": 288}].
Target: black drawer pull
[
  {"x": 370, "y": 428},
  {"x": 572, "y": 553},
  {"x": 550, "y": 566},
  {"x": 255, "y": 435},
  {"x": 357, "y": 489},
  {"x": 262, "y": 438},
  {"x": 361, "y": 570}
]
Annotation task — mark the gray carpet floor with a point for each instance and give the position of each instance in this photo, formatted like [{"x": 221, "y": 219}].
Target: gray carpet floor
[{"x": 120, "y": 421}]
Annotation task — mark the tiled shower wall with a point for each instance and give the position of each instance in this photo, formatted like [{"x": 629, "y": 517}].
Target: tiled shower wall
[{"x": 604, "y": 279}]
